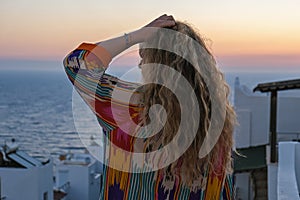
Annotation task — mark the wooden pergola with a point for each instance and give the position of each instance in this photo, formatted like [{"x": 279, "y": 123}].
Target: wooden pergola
[{"x": 274, "y": 87}]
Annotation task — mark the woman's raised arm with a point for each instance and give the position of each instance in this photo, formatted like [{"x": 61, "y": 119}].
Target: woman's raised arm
[
  {"x": 89, "y": 56},
  {"x": 117, "y": 45}
]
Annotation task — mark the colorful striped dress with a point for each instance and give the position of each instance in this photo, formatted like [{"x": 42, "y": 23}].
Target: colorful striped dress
[{"x": 85, "y": 67}]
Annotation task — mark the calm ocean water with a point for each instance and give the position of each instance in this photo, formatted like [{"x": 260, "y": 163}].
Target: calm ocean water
[{"x": 36, "y": 108}]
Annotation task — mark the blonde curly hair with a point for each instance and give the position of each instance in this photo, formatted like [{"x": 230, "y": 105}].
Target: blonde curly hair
[{"x": 189, "y": 166}]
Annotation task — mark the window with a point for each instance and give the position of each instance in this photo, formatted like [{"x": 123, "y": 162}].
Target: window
[{"x": 45, "y": 196}]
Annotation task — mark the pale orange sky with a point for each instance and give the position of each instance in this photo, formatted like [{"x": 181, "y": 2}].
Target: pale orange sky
[{"x": 252, "y": 32}]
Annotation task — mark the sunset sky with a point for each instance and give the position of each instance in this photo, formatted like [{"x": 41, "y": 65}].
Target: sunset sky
[{"x": 241, "y": 33}]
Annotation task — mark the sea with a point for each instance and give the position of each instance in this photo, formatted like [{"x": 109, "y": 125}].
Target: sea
[{"x": 38, "y": 108}]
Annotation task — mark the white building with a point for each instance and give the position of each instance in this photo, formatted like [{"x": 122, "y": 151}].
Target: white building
[
  {"x": 78, "y": 175},
  {"x": 23, "y": 177}
]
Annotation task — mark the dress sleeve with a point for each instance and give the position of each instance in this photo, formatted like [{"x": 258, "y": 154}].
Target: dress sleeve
[
  {"x": 84, "y": 67},
  {"x": 86, "y": 58}
]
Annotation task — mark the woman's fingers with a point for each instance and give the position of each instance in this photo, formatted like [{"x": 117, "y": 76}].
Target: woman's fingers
[
  {"x": 167, "y": 23},
  {"x": 163, "y": 21},
  {"x": 164, "y": 17}
]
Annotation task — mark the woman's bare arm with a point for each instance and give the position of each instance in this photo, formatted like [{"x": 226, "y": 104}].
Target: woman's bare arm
[{"x": 116, "y": 45}]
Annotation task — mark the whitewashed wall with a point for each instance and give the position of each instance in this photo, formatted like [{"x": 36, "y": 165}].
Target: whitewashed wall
[{"x": 18, "y": 183}]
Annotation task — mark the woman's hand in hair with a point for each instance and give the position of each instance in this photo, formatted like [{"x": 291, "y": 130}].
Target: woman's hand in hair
[
  {"x": 146, "y": 32},
  {"x": 164, "y": 21}
]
